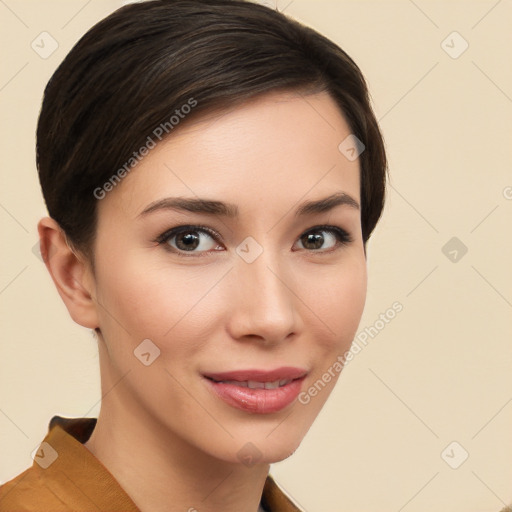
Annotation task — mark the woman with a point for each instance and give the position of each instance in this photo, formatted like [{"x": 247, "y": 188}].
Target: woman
[{"x": 213, "y": 171}]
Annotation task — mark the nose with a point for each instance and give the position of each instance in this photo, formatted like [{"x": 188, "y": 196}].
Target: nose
[{"x": 264, "y": 300}]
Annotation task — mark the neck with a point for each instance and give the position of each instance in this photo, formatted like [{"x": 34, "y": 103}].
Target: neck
[{"x": 161, "y": 472}]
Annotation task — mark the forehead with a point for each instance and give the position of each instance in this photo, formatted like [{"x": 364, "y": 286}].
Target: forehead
[{"x": 278, "y": 147}]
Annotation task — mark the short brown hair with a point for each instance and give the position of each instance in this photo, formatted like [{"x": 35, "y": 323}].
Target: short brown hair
[{"x": 131, "y": 71}]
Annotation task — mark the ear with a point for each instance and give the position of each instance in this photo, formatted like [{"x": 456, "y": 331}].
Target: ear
[{"x": 70, "y": 273}]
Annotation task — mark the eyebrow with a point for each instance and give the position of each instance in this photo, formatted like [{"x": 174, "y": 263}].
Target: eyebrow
[{"x": 229, "y": 210}]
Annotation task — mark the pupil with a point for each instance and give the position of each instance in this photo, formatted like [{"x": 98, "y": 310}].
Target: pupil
[
  {"x": 188, "y": 239},
  {"x": 316, "y": 241}
]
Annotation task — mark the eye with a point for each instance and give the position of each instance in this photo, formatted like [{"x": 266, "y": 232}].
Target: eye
[
  {"x": 314, "y": 240},
  {"x": 188, "y": 239}
]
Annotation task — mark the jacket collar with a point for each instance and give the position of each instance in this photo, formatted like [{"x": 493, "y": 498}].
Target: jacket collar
[{"x": 93, "y": 481}]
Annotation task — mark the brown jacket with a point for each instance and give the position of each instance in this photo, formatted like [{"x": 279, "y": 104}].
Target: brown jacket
[{"x": 66, "y": 476}]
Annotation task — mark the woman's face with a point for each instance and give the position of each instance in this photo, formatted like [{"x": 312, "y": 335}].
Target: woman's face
[{"x": 268, "y": 294}]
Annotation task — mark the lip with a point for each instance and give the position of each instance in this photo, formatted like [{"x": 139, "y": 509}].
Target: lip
[
  {"x": 260, "y": 400},
  {"x": 284, "y": 372}
]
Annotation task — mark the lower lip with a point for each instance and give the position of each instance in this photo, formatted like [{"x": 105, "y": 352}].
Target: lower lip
[{"x": 260, "y": 401}]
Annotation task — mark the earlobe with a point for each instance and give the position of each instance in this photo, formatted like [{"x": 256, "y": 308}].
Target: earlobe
[{"x": 69, "y": 272}]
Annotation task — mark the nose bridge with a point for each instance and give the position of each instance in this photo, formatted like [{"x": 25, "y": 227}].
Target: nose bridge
[{"x": 264, "y": 302}]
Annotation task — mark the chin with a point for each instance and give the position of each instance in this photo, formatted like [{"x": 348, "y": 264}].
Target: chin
[
  {"x": 282, "y": 454},
  {"x": 271, "y": 446}
]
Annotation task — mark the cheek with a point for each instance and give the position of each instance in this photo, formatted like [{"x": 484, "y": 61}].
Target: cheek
[
  {"x": 339, "y": 303},
  {"x": 181, "y": 305},
  {"x": 147, "y": 301},
  {"x": 339, "y": 306}
]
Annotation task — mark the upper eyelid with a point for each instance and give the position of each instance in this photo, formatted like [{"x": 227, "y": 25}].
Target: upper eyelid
[
  {"x": 170, "y": 233},
  {"x": 178, "y": 229}
]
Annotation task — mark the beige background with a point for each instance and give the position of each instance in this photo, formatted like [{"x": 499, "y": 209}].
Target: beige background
[{"x": 439, "y": 372}]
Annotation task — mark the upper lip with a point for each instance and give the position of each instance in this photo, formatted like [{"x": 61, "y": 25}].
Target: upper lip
[{"x": 285, "y": 372}]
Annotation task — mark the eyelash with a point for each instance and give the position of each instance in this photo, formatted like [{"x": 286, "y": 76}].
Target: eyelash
[{"x": 343, "y": 238}]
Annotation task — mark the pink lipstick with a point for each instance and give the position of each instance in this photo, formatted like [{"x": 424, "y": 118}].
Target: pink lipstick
[{"x": 258, "y": 391}]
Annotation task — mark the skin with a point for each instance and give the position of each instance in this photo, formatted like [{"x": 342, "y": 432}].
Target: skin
[{"x": 169, "y": 441}]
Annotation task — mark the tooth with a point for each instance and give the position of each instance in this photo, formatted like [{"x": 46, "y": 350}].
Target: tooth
[
  {"x": 236, "y": 383},
  {"x": 252, "y": 384}
]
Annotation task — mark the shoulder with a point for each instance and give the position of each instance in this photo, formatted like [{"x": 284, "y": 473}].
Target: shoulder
[{"x": 27, "y": 492}]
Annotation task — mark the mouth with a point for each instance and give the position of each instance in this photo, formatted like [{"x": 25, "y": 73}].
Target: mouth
[
  {"x": 257, "y": 391},
  {"x": 253, "y": 384}
]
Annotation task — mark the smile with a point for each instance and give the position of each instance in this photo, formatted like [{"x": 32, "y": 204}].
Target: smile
[
  {"x": 252, "y": 384},
  {"x": 257, "y": 391}
]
